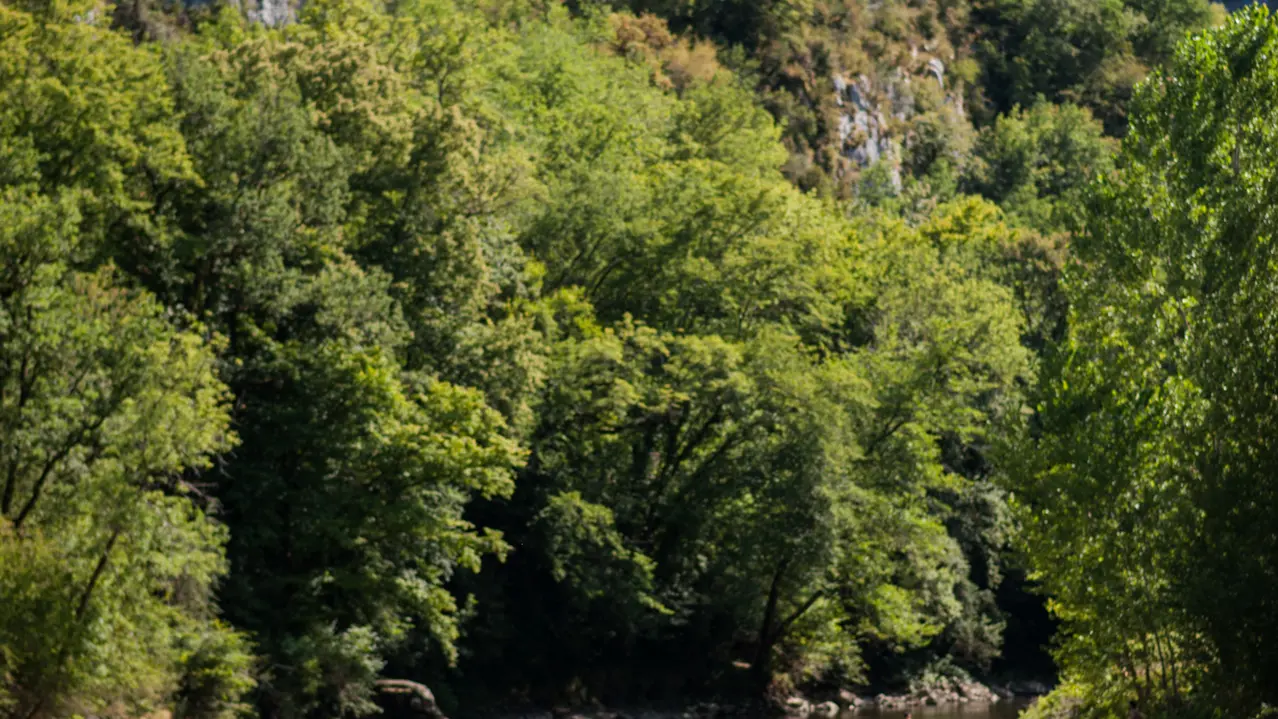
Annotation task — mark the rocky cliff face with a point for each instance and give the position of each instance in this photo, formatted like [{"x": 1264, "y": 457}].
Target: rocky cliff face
[
  {"x": 866, "y": 83},
  {"x": 863, "y": 127},
  {"x": 272, "y": 13},
  {"x": 875, "y": 116}
]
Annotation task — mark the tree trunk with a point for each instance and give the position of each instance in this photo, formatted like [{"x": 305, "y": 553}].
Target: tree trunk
[{"x": 761, "y": 668}]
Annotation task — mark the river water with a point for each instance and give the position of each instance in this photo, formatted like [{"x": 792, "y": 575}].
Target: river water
[{"x": 1000, "y": 710}]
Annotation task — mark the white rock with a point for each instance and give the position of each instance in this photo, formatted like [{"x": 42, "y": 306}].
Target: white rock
[
  {"x": 826, "y": 709},
  {"x": 797, "y": 706}
]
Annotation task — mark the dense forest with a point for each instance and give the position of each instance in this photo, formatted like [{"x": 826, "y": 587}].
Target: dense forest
[{"x": 549, "y": 354}]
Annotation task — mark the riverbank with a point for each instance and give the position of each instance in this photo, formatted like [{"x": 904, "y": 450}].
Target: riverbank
[
  {"x": 966, "y": 698},
  {"x": 940, "y": 693}
]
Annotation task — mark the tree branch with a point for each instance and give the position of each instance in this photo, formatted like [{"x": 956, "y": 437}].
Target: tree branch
[
  {"x": 784, "y": 626},
  {"x": 61, "y": 454},
  {"x": 83, "y": 606},
  {"x": 11, "y": 481}
]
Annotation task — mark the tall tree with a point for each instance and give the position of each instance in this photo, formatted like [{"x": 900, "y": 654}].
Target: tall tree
[
  {"x": 1151, "y": 484},
  {"x": 108, "y": 561}
]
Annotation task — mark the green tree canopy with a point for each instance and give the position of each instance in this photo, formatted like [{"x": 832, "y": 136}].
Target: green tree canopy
[
  {"x": 109, "y": 417},
  {"x": 1150, "y": 479}
]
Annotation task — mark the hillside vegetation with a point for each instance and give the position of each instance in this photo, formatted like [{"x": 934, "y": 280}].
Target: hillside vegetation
[{"x": 566, "y": 353}]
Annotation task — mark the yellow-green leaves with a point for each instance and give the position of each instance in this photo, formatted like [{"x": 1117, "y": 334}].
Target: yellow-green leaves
[
  {"x": 108, "y": 416},
  {"x": 84, "y": 109}
]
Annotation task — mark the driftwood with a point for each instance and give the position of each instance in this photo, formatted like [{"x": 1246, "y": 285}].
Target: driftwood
[{"x": 402, "y": 699}]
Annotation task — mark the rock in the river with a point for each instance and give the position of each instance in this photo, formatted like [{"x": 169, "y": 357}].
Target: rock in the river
[
  {"x": 826, "y": 709},
  {"x": 797, "y": 706},
  {"x": 887, "y": 701},
  {"x": 402, "y": 699},
  {"x": 977, "y": 692}
]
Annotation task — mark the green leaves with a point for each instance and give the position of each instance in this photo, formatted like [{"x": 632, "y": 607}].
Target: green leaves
[
  {"x": 85, "y": 110},
  {"x": 1142, "y": 500},
  {"x": 540, "y": 368},
  {"x": 1092, "y": 53},
  {"x": 108, "y": 414},
  {"x": 1036, "y": 162}
]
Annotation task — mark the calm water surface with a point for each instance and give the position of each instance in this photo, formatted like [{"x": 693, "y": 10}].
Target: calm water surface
[{"x": 1001, "y": 710}]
